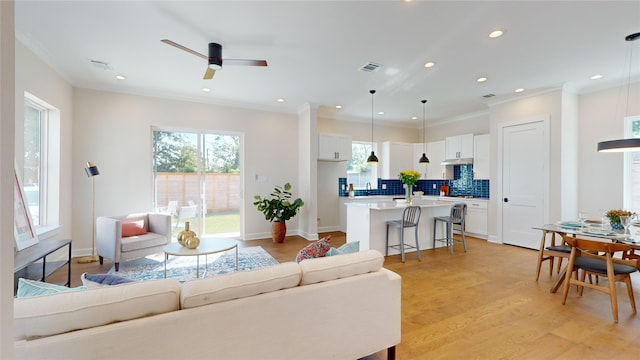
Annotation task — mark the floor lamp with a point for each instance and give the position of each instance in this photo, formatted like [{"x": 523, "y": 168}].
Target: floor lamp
[{"x": 92, "y": 171}]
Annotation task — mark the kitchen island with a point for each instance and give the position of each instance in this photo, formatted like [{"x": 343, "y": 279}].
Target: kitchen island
[{"x": 367, "y": 223}]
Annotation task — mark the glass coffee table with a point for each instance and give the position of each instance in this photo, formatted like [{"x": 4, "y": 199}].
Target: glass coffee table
[{"x": 208, "y": 245}]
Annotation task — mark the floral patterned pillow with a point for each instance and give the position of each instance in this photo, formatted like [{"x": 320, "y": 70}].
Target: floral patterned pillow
[{"x": 315, "y": 250}]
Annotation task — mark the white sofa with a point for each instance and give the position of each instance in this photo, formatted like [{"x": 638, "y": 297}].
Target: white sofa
[{"x": 339, "y": 307}]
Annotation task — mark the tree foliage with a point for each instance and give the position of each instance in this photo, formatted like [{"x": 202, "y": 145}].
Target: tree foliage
[{"x": 178, "y": 152}]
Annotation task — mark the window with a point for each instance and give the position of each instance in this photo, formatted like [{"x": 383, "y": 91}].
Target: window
[
  {"x": 632, "y": 167},
  {"x": 359, "y": 172},
  {"x": 34, "y": 169}
]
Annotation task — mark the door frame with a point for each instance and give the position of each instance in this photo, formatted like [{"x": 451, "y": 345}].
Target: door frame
[{"x": 545, "y": 120}]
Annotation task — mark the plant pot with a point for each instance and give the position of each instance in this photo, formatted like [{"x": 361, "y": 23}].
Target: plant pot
[{"x": 278, "y": 231}]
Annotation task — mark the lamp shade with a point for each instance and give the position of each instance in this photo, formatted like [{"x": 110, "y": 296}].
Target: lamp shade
[
  {"x": 620, "y": 145},
  {"x": 372, "y": 158},
  {"x": 424, "y": 159},
  {"x": 91, "y": 169}
]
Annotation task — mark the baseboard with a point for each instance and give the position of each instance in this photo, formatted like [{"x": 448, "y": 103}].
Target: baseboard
[{"x": 494, "y": 239}]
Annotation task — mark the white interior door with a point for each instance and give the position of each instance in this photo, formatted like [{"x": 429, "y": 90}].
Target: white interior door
[{"x": 525, "y": 164}]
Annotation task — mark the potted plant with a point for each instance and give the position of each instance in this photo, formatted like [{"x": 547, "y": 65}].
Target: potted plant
[
  {"x": 614, "y": 217},
  {"x": 278, "y": 209}
]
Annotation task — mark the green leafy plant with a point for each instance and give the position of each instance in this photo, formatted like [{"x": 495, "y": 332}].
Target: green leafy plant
[{"x": 279, "y": 206}]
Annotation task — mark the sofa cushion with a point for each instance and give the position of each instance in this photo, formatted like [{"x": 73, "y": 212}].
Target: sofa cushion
[
  {"x": 133, "y": 228},
  {"x": 340, "y": 266},
  {"x": 28, "y": 288},
  {"x": 63, "y": 312},
  {"x": 315, "y": 249},
  {"x": 147, "y": 240},
  {"x": 241, "y": 284},
  {"x": 347, "y": 248},
  {"x": 100, "y": 280}
]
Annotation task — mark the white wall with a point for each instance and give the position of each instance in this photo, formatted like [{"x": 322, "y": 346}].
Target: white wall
[
  {"x": 114, "y": 131},
  {"x": 601, "y": 174}
]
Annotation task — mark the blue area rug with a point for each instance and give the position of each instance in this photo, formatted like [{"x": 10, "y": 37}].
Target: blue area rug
[{"x": 183, "y": 268}]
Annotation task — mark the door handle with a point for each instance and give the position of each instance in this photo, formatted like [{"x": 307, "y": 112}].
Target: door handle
[{"x": 506, "y": 200}]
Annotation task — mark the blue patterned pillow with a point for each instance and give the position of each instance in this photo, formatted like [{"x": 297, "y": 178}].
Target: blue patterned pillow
[
  {"x": 347, "y": 248},
  {"x": 28, "y": 288},
  {"x": 98, "y": 280}
]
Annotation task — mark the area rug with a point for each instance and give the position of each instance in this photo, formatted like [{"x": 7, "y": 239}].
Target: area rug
[{"x": 183, "y": 268}]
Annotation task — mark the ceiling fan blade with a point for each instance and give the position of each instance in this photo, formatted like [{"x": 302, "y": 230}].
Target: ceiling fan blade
[
  {"x": 169, "y": 42},
  {"x": 244, "y": 62},
  {"x": 208, "y": 75}
]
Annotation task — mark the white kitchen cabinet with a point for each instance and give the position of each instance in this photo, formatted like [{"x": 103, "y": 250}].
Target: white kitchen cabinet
[
  {"x": 334, "y": 147},
  {"x": 459, "y": 147},
  {"x": 476, "y": 220},
  {"x": 436, "y": 155},
  {"x": 481, "y": 157},
  {"x": 395, "y": 157}
]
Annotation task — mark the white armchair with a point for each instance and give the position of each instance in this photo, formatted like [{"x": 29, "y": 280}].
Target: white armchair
[{"x": 147, "y": 234}]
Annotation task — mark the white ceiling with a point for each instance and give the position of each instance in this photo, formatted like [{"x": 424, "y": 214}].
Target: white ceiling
[{"x": 315, "y": 48}]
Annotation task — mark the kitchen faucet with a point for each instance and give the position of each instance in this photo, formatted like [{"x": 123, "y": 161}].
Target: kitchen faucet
[{"x": 368, "y": 188}]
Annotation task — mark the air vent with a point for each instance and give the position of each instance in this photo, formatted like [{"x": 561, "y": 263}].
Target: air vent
[
  {"x": 100, "y": 64},
  {"x": 370, "y": 67},
  {"x": 488, "y": 96}
]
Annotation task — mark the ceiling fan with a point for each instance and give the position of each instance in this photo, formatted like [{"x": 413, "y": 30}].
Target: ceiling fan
[{"x": 215, "y": 58}]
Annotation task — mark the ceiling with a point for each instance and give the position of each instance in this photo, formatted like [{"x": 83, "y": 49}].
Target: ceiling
[{"x": 316, "y": 48}]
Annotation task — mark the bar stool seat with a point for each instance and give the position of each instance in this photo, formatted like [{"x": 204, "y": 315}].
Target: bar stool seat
[
  {"x": 410, "y": 219},
  {"x": 456, "y": 217}
]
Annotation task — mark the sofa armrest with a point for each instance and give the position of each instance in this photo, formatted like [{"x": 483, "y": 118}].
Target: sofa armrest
[
  {"x": 160, "y": 224},
  {"x": 108, "y": 237}
]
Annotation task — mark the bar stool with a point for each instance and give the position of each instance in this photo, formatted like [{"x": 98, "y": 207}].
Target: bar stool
[
  {"x": 410, "y": 218},
  {"x": 456, "y": 217}
]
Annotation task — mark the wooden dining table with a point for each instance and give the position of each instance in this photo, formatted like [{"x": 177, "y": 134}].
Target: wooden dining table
[{"x": 593, "y": 232}]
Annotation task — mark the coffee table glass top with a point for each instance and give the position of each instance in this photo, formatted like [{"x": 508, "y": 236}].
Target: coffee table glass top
[{"x": 208, "y": 245}]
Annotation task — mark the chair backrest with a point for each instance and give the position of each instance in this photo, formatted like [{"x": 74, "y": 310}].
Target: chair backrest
[
  {"x": 592, "y": 247},
  {"x": 458, "y": 212},
  {"x": 411, "y": 216},
  {"x": 188, "y": 212}
]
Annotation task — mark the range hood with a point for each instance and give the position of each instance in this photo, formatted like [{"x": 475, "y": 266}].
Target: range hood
[{"x": 459, "y": 161}]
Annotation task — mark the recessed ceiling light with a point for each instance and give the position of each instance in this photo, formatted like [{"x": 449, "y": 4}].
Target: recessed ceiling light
[
  {"x": 496, "y": 33},
  {"x": 519, "y": 90},
  {"x": 380, "y": 112},
  {"x": 414, "y": 118},
  {"x": 120, "y": 77},
  {"x": 280, "y": 100},
  {"x": 206, "y": 89},
  {"x": 481, "y": 79},
  {"x": 596, "y": 77},
  {"x": 338, "y": 106},
  {"x": 429, "y": 64}
]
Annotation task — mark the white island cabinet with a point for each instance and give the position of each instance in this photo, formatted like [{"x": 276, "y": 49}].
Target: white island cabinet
[{"x": 367, "y": 223}]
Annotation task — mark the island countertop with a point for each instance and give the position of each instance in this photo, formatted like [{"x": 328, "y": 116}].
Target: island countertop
[{"x": 393, "y": 205}]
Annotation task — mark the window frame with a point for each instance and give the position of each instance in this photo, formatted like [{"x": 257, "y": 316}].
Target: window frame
[
  {"x": 374, "y": 168},
  {"x": 628, "y": 202}
]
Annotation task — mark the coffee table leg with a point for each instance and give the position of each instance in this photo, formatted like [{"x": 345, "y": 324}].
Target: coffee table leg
[
  {"x": 197, "y": 266},
  {"x": 236, "y": 257},
  {"x": 166, "y": 256}
]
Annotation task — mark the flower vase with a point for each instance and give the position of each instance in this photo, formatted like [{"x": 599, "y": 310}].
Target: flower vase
[{"x": 407, "y": 195}]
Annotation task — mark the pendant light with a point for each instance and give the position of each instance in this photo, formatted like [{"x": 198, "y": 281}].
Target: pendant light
[
  {"x": 424, "y": 159},
  {"x": 623, "y": 145},
  {"x": 372, "y": 159}
]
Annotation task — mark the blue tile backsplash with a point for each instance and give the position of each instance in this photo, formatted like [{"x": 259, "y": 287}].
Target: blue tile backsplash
[{"x": 463, "y": 184}]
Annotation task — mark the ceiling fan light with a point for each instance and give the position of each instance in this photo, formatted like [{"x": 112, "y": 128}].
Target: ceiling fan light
[{"x": 215, "y": 66}]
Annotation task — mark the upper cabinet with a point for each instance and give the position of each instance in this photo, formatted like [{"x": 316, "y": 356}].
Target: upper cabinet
[
  {"x": 481, "y": 157},
  {"x": 436, "y": 155},
  {"x": 334, "y": 147},
  {"x": 395, "y": 157},
  {"x": 459, "y": 147}
]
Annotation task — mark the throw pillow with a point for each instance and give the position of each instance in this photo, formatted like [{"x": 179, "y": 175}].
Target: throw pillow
[
  {"x": 133, "y": 228},
  {"x": 347, "y": 248},
  {"x": 99, "y": 280},
  {"x": 28, "y": 288},
  {"x": 314, "y": 250}
]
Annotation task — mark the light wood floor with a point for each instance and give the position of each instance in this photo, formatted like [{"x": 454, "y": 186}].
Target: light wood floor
[{"x": 485, "y": 304}]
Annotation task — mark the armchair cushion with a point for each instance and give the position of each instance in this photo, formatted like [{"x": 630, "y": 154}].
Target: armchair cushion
[{"x": 133, "y": 228}]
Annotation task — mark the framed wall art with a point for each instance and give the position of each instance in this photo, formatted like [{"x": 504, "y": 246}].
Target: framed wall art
[{"x": 23, "y": 230}]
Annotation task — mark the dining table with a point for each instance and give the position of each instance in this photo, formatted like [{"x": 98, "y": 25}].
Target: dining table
[{"x": 591, "y": 231}]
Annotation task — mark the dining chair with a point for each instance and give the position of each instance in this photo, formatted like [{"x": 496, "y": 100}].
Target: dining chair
[
  {"x": 597, "y": 258},
  {"x": 560, "y": 251},
  {"x": 456, "y": 217},
  {"x": 410, "y": 219}
]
